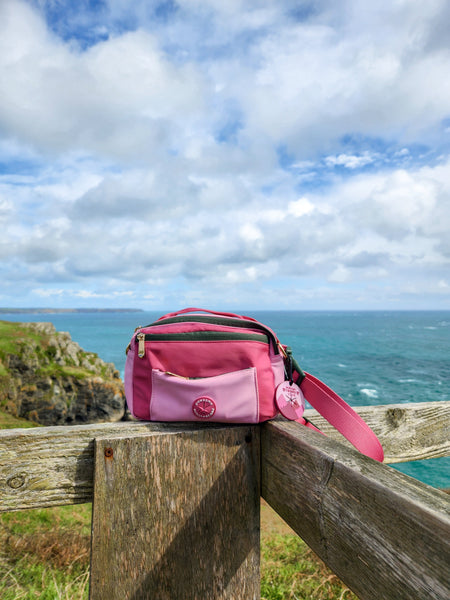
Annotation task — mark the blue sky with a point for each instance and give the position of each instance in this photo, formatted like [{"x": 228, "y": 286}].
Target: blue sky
[{"x": 239, "y": 154}]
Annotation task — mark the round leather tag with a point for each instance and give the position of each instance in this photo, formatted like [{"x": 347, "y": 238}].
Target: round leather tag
[{"x": 290, "y": 400}]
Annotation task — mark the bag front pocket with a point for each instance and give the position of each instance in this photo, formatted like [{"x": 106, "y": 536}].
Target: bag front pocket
[{"x": 228, "y": 398}]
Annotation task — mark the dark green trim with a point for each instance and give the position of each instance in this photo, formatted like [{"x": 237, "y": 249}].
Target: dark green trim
[
  {"x": 217, "y": 320},
  {"x": 206, "y": 336},
  {"x": 296, "y": 367}
]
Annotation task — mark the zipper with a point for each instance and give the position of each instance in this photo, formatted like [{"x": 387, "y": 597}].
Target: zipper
[
  {"x": 141, "y": 344},
  {"x": 177, "y": 376},
  {"x": 197, "y": 336}
]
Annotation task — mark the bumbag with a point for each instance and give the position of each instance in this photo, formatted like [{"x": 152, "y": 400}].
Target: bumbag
[{"x": 227, "y": 368}]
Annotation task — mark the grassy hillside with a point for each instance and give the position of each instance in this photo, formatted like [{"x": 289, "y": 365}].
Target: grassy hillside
[
  {"x": 48, "y": 378},
  {"x": 7, "y": 421}
]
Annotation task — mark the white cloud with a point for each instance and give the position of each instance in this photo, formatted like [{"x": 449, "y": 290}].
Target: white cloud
[
  {"x": 250, "y": 233},
  {"x": 194, "y": 157},
  {"x": 6, "y": 207},
  {"x": 87, "y": 294},
  {"x": 48, "y": 292},
  {"x": 350, "y": 161},
  {"x": 365, "y": 228},
  {"x": 340, "y": 275},
  {"x": 320, "y": 80},
  {"x": 121, "y": 98},
  {"x": 300, "y": 207}
]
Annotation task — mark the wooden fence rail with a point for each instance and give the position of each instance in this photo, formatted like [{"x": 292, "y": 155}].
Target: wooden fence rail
[
  {"x": 176, "y": 507},
  {"x": 384, "y": 534}
]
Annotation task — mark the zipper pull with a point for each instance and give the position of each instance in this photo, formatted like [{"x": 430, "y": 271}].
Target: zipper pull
[
  {"x": 141, "y": 344},
  {"x": 281, "y": 349},
  {"x": 175, "y": 375}
]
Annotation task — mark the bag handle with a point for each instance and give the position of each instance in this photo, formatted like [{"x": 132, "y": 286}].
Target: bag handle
[
  {"x": 204, "y": 310},
  {"x": 341, "y": 416}
]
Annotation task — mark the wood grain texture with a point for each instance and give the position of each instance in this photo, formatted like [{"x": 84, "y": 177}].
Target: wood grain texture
[
  {"x": 407, "y": 432},
  {"x": 384, "y": 534},
  {"x": 177, "y": 516},
  {"x": 52, "y": 466}
]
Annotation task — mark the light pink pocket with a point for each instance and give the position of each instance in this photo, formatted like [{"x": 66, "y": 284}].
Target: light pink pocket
[{"x": 231, "y": 397}]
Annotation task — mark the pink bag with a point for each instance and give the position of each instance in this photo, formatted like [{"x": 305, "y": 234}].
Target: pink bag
[{"x": 227, "y": 368}]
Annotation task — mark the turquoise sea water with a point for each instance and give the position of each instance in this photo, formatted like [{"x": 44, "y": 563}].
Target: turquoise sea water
[{"x": 368, "y": 358}]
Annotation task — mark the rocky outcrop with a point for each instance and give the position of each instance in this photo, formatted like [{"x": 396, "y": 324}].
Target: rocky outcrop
[{"x": 47, "y": 378}]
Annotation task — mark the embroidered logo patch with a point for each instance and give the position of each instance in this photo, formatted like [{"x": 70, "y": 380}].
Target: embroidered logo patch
[{"x": 203, "y": 408}]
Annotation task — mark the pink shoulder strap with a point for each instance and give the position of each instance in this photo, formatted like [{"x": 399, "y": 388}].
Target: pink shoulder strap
[{"x": 341, "y": 416}]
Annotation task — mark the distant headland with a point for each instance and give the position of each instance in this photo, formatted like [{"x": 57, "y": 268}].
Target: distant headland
[{"x": 43, "y": 311}]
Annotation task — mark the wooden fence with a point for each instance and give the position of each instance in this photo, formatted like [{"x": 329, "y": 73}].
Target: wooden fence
[{"x": 176, "y": 507}]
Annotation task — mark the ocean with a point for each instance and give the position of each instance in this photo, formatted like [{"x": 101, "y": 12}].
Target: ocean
[{"x": 368, "y": 358}]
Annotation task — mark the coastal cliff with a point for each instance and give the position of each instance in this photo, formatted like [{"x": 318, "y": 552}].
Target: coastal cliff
[{"x": 47, "y": 378}]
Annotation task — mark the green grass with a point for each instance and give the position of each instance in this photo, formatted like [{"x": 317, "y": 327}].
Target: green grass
[
  {"x": 56, "y": 370},
  {"x": 17, "y": 339},
  {"x": 12, "y": 335},
  {"x": 7, "y": 421},
  {"x": 44, "y": 553},
  {"x": 290, "y": 569}
]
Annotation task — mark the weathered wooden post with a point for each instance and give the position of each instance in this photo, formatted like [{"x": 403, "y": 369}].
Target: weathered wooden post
[{"x": 176, "y": 516}]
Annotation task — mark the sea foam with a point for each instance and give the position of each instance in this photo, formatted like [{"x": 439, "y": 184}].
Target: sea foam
[{"x": 370, "y": 392}]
